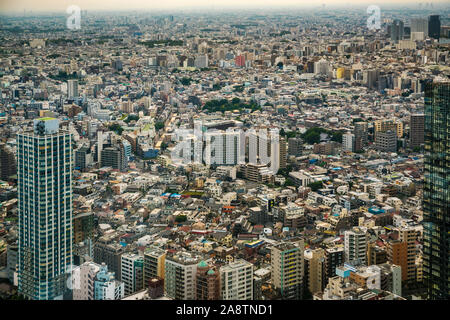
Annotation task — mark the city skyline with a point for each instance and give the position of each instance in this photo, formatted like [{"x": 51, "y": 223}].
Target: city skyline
[
  {"x": 246, "y": 155},
  {"x": 10, "y": 6}
]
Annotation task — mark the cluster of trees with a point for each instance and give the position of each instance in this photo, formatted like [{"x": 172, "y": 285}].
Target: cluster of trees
[
  {"x": 312, "y": 135},
  {"x": 181, "y": 218},
  {"x": 63, "y": 76},
  {"x": 159, "y": 125},
  {"x": 225, "y": 105},
  {"x": 315, "y": 185},
  {"x": 186, "y": 81},
  {"x": 116, "y": 128},
  {"x": 169, "y": 43},
  {"x": 131, "y": 117}
]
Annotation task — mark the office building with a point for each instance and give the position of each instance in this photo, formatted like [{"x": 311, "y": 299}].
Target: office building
[
  {"x": 295, "y": 147},
  {"x": 416, "y": 130},
  {"x": 436, "y": 198},
  {"x": 434, "y": 27},
  {"x": 45, "y": 165},
  {"x": 397, "y": 30},
  {"x": 386, "y": 141},
  {"x": 419, "y": 25}
]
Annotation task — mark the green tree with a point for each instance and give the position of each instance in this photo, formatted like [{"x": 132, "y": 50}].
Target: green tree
[{"x": 181, "y": 218}]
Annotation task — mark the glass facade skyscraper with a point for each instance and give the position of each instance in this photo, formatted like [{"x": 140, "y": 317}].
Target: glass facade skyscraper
[
  {"x": 434, "y": 26},
  {"x": 45, "y": 165},
  {"x": 436, "y": 201}
]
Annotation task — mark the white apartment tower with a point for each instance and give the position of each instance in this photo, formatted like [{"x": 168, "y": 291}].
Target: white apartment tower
[
  {"x": 45, "y": 203},
  {"x": 355, "y": 245},
  {"x": 236, "y": 280}
]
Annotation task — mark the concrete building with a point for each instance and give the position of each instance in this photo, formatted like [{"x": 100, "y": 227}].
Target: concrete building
[
  {"x": 154, "y": 264},
  {"x": 416, "y": 130},
  {"x": 386, "y": 141},
  {"x": 45, "y": 166},
  {"x": 131, "y": 273},
  {"x": 207, "y": 282},
  {"x": 180, "y": 273},
  {"x": 236, "y": 280},
  {"x": 288, "y": 269},
  {"x": 355, "y": 245}
]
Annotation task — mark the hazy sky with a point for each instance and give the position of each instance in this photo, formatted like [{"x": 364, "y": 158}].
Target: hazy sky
[{"x": 61, "y": 5}]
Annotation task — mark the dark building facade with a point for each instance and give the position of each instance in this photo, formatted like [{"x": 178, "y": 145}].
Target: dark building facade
[
  {"x": 436, "y": 199},
  {"x": 434, "y": 26}
]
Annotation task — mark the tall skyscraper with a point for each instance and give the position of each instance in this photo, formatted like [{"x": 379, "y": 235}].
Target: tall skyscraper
[
  {"x": 397, "y": 30},
  {"x": 419, "y": 25},
  {"x": 72, "y": 89},
  {"x": 434, "y": 26},
  {"x": 45, "y": 165},
  {"x": 436, "y": 197},
  {"x": 360, "y": 133}
]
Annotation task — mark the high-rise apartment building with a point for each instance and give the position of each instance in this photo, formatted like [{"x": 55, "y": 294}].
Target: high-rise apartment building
[
  {"x": 154, "y": 264},
  {"x": 436, "y": 197},
  {"x": 72, "y": 89},
  {"x": 355, "y": 245},
  {"x": 295, "y": 147},
  {"x": 180, "y": 272},
  {"x": 45, "y": 165},
  {"x": 360, "y": 132},
  {"x": 236, "y": 280},
  {"x": 348, "y": 141},
  {"x": 315, "y": 270},
  {"x": 131, "y": 273},
  {"x": 408, "y": 235},
  {"x": 288, "y": 269},
  {"x": 106, "y": 287},
  {"x": 386, "y": 125},
  {"x": 283, "y": 153},
  {"x": 109, "y": 253},
  {"x": 7, "y": 162},
  {"x": 416, "y": 130},
  {"x": 222, "y": 147}
]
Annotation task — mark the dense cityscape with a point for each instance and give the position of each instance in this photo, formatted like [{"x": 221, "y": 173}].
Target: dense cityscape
[{"x": 231, "y": 155}]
